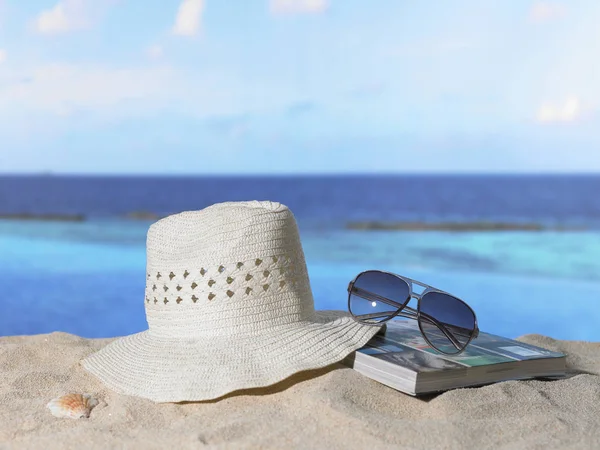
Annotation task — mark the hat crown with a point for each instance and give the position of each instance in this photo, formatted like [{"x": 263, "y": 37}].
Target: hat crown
[{"x": 231, "y": 268}]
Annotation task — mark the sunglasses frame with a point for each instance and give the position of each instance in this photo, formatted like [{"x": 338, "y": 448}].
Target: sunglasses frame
[{"x": 410, "y": 313}]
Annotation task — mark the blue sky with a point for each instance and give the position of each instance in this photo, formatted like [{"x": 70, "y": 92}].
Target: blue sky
[{"x": 282, "y": 86}]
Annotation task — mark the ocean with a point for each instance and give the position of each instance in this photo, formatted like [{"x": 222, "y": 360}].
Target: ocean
[{"x": 88, "y": 277}]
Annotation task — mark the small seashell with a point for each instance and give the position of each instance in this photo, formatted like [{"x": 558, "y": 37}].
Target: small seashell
[{"x": 74, "y": 406}]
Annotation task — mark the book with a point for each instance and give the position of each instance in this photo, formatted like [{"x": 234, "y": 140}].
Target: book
[{"x": 400, "y": 357}]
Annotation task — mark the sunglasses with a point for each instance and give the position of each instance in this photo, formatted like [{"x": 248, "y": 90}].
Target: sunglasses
[{"x": 446, "y": 322}]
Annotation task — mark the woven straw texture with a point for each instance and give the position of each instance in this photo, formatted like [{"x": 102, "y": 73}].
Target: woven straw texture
[{"x": 229, "y": 306}]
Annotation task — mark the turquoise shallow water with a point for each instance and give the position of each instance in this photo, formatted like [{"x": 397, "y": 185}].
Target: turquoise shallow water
[{"x": 88, "y": 278}]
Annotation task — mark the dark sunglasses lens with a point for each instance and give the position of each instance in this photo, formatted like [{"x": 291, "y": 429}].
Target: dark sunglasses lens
[
  {"x": 446, "y": 321},
  {"x": 376, "y": 296}
]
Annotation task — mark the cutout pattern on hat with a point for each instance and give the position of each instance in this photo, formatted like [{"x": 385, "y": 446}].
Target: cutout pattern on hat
[{"x": 268, "y": 275}]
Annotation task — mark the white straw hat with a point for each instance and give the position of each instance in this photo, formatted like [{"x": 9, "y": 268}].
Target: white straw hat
[{"x": 229, "y": 306}]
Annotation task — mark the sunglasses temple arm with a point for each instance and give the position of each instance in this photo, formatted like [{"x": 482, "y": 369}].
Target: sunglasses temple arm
[
  {"x": 412, "y": 316},
  {"x": 439, "y": 325},
  {"x": 407, "y": 312}
]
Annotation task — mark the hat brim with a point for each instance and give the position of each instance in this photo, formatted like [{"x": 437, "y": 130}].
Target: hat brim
[{"x": 175, "y": 370}]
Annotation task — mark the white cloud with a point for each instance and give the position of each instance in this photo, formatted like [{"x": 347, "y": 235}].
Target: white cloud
[
  {"x": 189, "y": 15},
  {"x": 155, "y": 51},
  {"x": 59, "y": 88},
  {"x": 298, "y": 6},
  {"x": 568, "y": 111},
  {"x": 65, "y": 16},
  {"x": 2, "y": 55},
  {"x": 105, "y": 93},
  {"x": 543, "y": 11}
]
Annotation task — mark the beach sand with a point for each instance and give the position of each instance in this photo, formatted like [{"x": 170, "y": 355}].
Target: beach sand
[{"x": 332, "y": 408}]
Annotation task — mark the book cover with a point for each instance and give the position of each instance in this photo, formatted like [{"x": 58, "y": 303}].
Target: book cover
[{"x": 404, "y": 344}]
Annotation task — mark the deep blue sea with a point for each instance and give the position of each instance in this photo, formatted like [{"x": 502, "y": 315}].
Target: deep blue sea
[{"x": 88, "y": 277}]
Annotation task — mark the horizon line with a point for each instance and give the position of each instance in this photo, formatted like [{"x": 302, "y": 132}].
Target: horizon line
[{"x": 285, "y": 174}]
